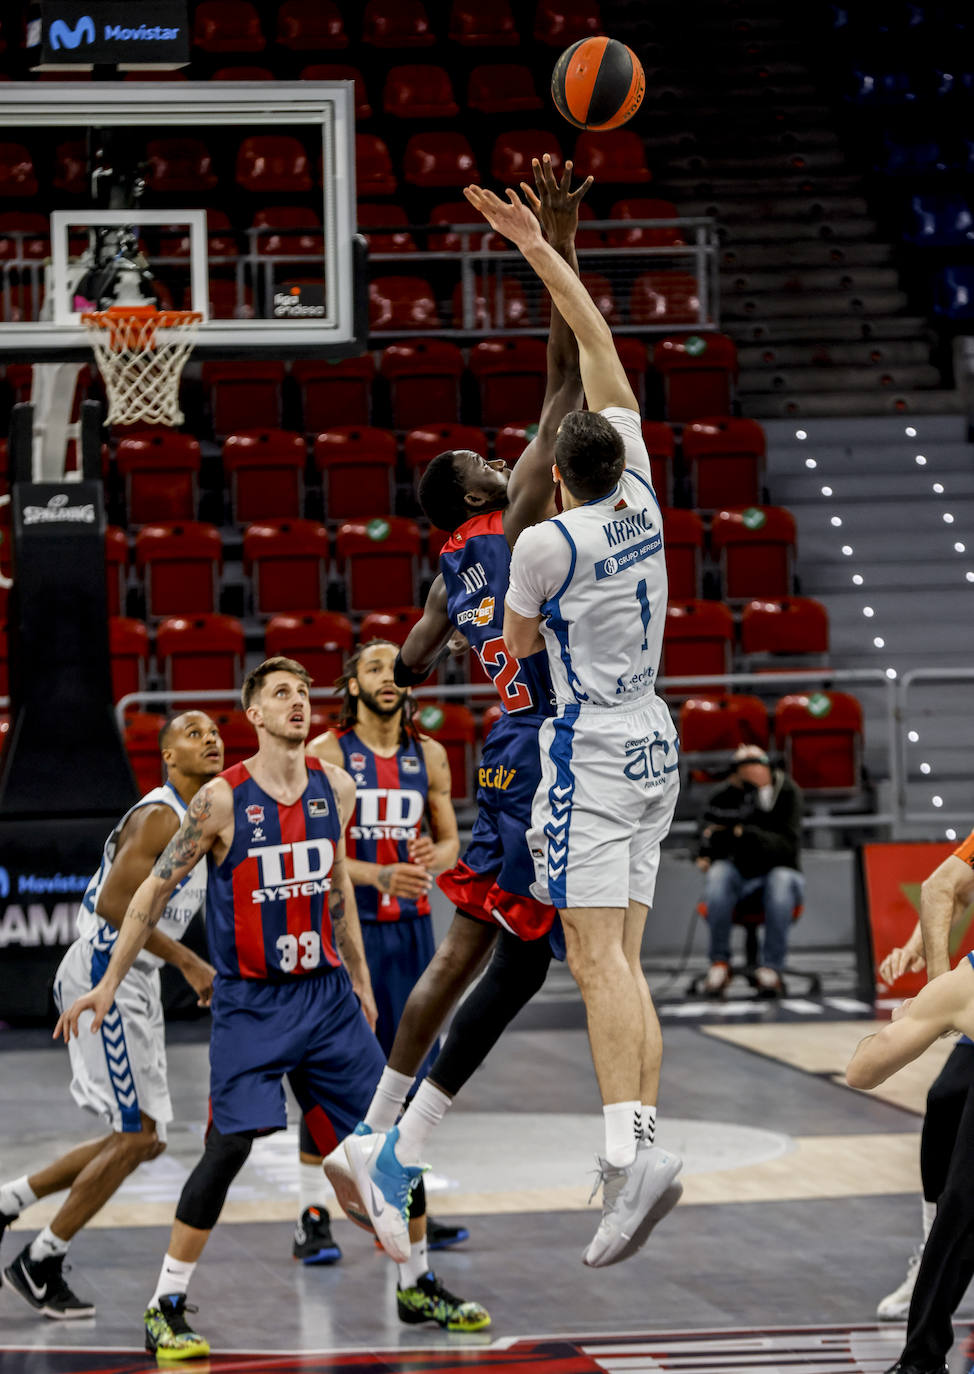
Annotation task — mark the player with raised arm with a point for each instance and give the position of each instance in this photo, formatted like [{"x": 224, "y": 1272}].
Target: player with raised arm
[
  {"x": 120, "y": 1075},
  {"x": 292, "y": 981},
  {"x": 589, "y": 586},
  {"x": 485, "y": 507}
]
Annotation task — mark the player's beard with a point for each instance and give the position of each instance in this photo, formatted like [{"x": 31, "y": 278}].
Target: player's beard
[
  {"x": 287, "y": 732},
  {"x": 377, "y": 707}
]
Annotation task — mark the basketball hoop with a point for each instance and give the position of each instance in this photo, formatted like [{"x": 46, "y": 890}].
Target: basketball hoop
[{"x": 140, "y": 353}]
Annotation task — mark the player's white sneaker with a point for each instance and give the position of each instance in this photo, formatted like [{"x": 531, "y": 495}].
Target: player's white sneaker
[
  {"x": 339, "y": 1174},
  {"x": 384, "y": 1185},
  {"x": 634, "y": 1200},
  {"x": 895, "y": 1307}
]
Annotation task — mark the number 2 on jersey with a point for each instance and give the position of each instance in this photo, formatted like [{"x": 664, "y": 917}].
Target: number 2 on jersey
[
  {"x": 502, "y": 668},
  {"x": 645, "y": 611}
]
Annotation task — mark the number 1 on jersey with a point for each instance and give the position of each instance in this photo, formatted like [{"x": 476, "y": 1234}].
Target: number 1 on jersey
[{"x": 645, "y": 611}]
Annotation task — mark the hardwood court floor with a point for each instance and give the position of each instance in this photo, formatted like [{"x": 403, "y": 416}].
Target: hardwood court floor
[{"x": 801, "y": 1209}]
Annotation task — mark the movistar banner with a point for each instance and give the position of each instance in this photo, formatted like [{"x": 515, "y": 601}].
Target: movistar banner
[{"x": 109, "y": 31}]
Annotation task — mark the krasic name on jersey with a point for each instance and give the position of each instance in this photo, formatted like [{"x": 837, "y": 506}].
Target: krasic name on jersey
[
  {"x": 386, "y": 813},
  {"x": 620, "y": 531},
  {"x": 310, "y": 870}
]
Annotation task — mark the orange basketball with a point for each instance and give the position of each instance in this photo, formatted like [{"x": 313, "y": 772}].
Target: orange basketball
[{"x": 598, "y": 83}]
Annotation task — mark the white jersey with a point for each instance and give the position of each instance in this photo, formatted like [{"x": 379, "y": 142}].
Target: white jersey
[
  {"x": 182, "y": 906},
  {"x": 597, "y": 576}
]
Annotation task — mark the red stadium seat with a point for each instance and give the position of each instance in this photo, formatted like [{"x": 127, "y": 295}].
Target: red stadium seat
[
  {"x": 634, "y": 358},
  {"x": 725, "y": 460},
  {"x": 392, "y": 623},
  {"x": 483, "y": 24},
  {"x": 25, "y": 236},
  {"x": 614, "y": 155},
  {"x": 128, "y": 647},
  {"x": 265, "y": 468},
  {"x": 636, "y": 237},
  {"x": 502, "y": 88},
  {"x": 290, "y": 230},
  {"x": 683, "y": 550},
  {"x": 310, "y": 26},
  {"x": 510, "y": 441},
  {"x": 709, "y": 724},
  {"x": 337, "y": 71},
  {"x": 793, "y": 625},
  {"x": 4, "y": 659},
  {"x": 461, "y": 212},
  {"x": 273, "y": 162},
  {"x": 498, "y": 302},
  {"x": 424, "y": 381},
  {"x": 386, "y": 228},
  {"x": 453, "y": 726},
  {"x": 116, "y": 568},
  {"x": 17, "y": 175},
  {"x": 661, "y": 446},
  {"x": 243, "y": 74},
  {"x": 227, "y": 26},
  {"x": 425, "y": 443},
  {"x": 221, "y": 242},
  {"x": 698, "y": 640},
  {"x": 70, "y": 170},
  {"x": 558, "y": 23},
  {"x": 664, "y": 298},
  {"x": 161, "y": 471},
  {"x": 439, "y": 159},
  {"x": 358, "y": 468},
  {"x": 402, "y": 303},
  {"x": 142, "y": 747},
  {"x": 201, "y": 652},
  {"x": 396, "y": 24},
  {"x": 244, "y": 395},
  {"x": 419, "y": 92},
  {"x": 512, "y": 375},
  {"x": 381, "y": 559},
  {"x": 180, "y": 566},
  {"x": 19, "y": 302},
  {"x": 510, "y": 161},
  {"x": 490, "y": 718},
  {"x": 288, "y": 561},
  {"x": 338, "y": 392},
  {"x": 820, "y": 734},
  {"x": 226, "y": 300},
  {"x": 600, "y": 289},
  {"x": 756, "y": 549},
  {"x": 373, "y": 167},
  {"x": 320, "y": 640},
  {"x": 699, "y": 371},
  {"x": 238, "y": 735}
]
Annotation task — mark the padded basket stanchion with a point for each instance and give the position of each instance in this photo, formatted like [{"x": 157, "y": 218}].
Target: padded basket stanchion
[{"x": 140, "y": 353}]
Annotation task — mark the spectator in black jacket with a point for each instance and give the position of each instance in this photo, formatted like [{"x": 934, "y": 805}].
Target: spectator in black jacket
[{"x": 751, "y": 841}]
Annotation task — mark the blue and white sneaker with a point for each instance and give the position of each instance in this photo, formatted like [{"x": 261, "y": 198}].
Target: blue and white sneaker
[
  {"x": 384, "y": 1186},
  {"x": 339, "y": 1174}
]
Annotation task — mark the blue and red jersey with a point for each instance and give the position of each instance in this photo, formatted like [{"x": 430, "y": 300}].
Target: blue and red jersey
[
  {"x": 267, "y": 911},
  {"x": 390, "y": 802},
  {"x": 476, "y": 566}
]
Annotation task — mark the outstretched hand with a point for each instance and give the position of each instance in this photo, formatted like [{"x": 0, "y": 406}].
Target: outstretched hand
[
  {"x": 554, "y": 203},
  {"x": 512, "y": 218}
]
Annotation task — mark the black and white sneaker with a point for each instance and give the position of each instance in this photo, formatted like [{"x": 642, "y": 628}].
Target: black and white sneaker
[
  {"x": 313, "y": 1243},
  {"x": 41, "y": 1284},
  {"x": 4, "y": 1223}
]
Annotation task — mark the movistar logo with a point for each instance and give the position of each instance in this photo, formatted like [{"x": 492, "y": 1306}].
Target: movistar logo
[{"x": 61, "y": 36}]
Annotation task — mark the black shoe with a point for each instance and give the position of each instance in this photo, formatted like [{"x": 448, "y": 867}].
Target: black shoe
[
  {"x": 439, "y": 1236},
  {"x": 4, "y": 1223},
  {"x": 905, "y": 1367},
  {"x": 41, "y": 1283},
  {"x": 313, "y": 1243}
]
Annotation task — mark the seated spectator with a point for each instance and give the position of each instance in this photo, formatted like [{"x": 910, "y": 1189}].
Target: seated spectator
[{"x": 750, "y": 841}]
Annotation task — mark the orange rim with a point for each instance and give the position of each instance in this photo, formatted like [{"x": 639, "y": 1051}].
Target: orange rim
[{"x": 126, "y": 325}]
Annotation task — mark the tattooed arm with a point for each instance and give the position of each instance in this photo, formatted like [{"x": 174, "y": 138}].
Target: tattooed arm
[
  {"x": 210, "y": 812},
  {"x": 341, "y": 902}
]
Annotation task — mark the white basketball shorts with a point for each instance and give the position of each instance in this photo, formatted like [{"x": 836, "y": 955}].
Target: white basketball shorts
[
  {"x": 121, "y": 1071},
  {"x": 609, "y": 784}
]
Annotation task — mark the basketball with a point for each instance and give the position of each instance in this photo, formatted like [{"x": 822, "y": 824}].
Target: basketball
[{"x": 598, "y": 83}]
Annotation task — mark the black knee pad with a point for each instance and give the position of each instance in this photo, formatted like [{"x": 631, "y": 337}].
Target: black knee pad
[
  {"x": 205, "y": 1191},
  {"x": 417, "y": 1201}
]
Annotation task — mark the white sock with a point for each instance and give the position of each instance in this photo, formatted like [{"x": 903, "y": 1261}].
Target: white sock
[
  {"x": 311, "y": 1187},
  {"x": 424, "y": 1113},
  {"x": 174, "y": 1277},
  {"x": 929, "y": 1216},
  {"x": 647, "y": 1124},
  {"x": 620, "y": 1142},
  {"x": 46, "y": 1245},
  {"x": 15, "y": 1196},
  {"x": 390, "y": 1093},
  {"x": 416, "y": 1266}
]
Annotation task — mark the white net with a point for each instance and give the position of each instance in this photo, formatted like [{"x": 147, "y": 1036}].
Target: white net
[{"x": 140, "y": 353}]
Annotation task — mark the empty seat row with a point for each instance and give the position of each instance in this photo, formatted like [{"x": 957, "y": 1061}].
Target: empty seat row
[{"x": 701, "y": 636}]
